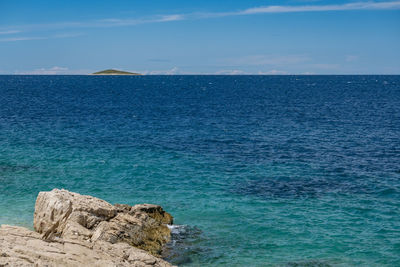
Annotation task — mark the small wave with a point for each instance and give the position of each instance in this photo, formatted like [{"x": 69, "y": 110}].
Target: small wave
[{"x": 177, "y": 229}]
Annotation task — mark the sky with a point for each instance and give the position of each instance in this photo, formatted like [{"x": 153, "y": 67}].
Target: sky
[{"x": 200, "y": 37}]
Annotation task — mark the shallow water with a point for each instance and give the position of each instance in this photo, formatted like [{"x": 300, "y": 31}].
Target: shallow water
[{"x": 258, "y": 170}]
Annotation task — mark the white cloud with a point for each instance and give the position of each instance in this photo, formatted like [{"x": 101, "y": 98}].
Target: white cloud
[
  {"x": 241, "y": 72},
  {"x": 308, "y": 73},
  {"x": 172, "y": 71},
  {"x": 230, "y": 72},
  {"x": 273, "y": 72}
]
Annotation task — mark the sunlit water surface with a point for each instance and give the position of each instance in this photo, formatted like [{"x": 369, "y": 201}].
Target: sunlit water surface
[{"x": 256, "y": 170}]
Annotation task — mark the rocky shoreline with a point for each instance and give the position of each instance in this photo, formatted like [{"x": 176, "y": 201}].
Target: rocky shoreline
[{"x": 78, "y": 230}]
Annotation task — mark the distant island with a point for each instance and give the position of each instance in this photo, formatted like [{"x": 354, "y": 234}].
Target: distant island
[{"x": 114, "y": 72}]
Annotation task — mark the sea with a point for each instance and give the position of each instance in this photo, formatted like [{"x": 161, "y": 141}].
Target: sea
[{"x": 257, "y": 170}]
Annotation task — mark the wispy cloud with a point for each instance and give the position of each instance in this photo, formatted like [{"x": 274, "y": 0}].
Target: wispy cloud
[
  {"x": 45, "y": 71},
  {"x": 30, "y": 38},
  {"x": 56, "y": 70},
  {"x": 114, "y": 22},
  {"x": 9, "y": 32},
  {"x": 16, "y": 39},
  {"x": 393, "y": 5},
  {"x": 66, "y": 35},
  {"x": 175, "y": 17},
  {"x": 117, "y": 22},
  {"x": 317, "y": 8},
  {"x": 101, "y": 23}
]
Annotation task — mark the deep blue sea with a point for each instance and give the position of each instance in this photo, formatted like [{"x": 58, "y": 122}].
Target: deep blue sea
[{"x": 257, "y": 170}]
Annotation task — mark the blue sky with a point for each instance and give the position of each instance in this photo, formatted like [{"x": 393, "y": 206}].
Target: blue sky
[{"x": 200, "y": 37}]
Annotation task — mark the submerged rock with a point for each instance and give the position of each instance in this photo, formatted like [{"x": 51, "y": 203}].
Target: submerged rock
[
  {"x": 185, "y": 245},
  {"x": 76, "y": 230},
  {"x": 309, "y": 263}
]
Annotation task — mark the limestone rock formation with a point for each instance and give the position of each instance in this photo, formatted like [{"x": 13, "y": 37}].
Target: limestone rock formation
[
  {"x": 65, "y": 214},
  {"x": 77, "y": 230},
  {"x": 71, "y": 216},
  {"x": 20, "y": 247}
]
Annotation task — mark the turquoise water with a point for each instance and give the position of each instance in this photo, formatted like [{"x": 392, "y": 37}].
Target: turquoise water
[{"x": 256, "y": 170}]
